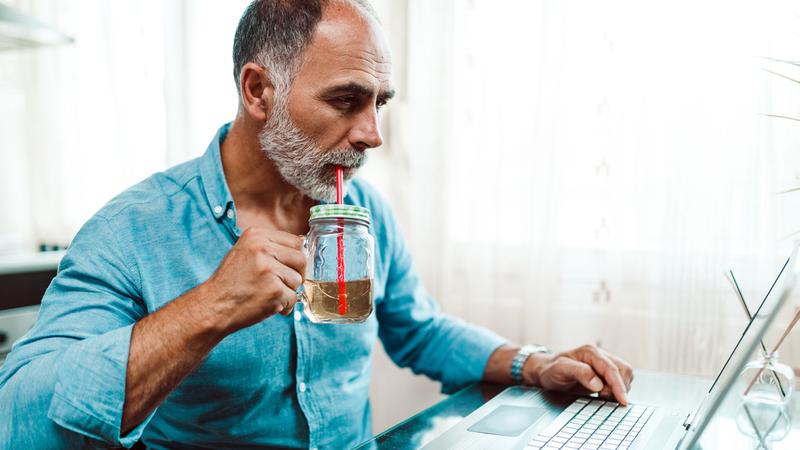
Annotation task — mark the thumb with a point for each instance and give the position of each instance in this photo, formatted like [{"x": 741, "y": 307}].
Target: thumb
[
  {"x": 565, "y": 373},
  {"x": 586, "y": 376}
]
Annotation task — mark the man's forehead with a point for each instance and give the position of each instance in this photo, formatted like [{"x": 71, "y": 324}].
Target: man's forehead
[{"x": 349, "y": 46}]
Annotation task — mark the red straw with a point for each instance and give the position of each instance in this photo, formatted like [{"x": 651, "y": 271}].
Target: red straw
[{"x": 340, "y": 245}]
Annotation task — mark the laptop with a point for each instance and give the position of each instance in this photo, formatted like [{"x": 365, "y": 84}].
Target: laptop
[{"x": 530, "y": 418}]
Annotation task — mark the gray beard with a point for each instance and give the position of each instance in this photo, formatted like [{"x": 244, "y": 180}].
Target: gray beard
[{"x": 301, "y": 162}]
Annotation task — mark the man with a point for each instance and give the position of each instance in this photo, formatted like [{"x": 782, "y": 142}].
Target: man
[{"x": 170, "y": 320}]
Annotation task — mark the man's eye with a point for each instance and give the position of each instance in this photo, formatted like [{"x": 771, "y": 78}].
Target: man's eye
[
  {"x": 346, "y": 102},
  {"x": 380, "y": 104}
]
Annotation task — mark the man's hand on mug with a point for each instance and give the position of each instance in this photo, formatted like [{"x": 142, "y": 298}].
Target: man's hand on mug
[
  {"x": 258, "y": 278},
  {"x": 586, "y": 369}
]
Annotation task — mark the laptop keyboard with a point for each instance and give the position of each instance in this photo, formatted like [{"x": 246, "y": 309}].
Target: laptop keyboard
[{"x": 593, "y": 425}]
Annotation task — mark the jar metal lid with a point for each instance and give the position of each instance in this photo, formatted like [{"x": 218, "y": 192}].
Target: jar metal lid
[{"x": 340, "y": 211}]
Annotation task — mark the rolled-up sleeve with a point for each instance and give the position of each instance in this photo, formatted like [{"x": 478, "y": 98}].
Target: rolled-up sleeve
[
  {"x": 413, "y": 330},
  {"x": 63, "y": 384}
]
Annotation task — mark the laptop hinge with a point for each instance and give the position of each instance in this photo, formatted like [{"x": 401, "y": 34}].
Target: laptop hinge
[{"x": 689, "y": 419}]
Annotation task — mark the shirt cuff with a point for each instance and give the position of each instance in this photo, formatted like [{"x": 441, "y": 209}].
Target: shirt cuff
[
  {"x": 90, "y": 388},
  {"x": 476, "y": 345}
]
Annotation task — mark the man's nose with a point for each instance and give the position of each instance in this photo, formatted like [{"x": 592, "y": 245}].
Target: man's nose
[{"x": 366, "y": 132}]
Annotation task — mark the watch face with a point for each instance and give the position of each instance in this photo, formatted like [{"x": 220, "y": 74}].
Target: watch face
[{"x": 528, "y": 349}]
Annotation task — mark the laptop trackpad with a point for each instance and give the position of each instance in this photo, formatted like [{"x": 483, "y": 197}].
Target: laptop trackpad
[{"x": 508, "y": 420}]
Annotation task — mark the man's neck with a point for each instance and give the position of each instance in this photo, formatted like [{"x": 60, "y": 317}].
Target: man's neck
[{"x": 262, "y": 197}]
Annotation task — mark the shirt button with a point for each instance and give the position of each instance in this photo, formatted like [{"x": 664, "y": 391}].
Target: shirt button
[
  {"x": 230, "y": 214},
  {"x": 302, "y": 387},
  {"x": 218, "y": 209},
  {"x": 298, "y": 315}
]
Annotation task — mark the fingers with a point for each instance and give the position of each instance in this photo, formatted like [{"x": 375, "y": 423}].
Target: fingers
[
  {"x": 586, "y": 376},
  {"x": 288, "y": 276},
  {"x": 289, "y": 257},
  {"x": 565, "y": 372},
  {"x": 287, "y": 305},
  {"x": 279, "y": 237},
  {"x": 282, "y": 246},
  {"x": 625, "y": 369},
  {"x": 604, "y": 366},
  {"x": 286, "y": 262},
  {"x": 290, "y": 281},
  {"x": 286, "y": 302},
  {"x": 289, "y": 308},
  {"x": 287, "y": 239}
]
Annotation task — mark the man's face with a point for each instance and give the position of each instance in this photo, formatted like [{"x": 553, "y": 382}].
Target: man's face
[{"x": 331, "y": 114}]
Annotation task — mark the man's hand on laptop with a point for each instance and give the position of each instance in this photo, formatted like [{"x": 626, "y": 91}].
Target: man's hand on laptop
[{"x": 585, "y": 369}]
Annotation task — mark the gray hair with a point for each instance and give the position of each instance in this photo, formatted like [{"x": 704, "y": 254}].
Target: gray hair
[{"x": 275, "y": 33}]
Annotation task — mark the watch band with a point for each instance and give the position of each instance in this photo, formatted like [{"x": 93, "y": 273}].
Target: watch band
[{"x": 522, "y": 355}]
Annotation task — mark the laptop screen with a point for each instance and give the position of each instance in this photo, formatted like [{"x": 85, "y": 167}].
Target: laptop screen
[{"x": 745, "y": 347}]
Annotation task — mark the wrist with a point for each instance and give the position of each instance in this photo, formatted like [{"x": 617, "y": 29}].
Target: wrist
[
  {"x": 208, "y": 311},
  {"x": 531, "y": 371},
  {"x": 520, "y": 360}
]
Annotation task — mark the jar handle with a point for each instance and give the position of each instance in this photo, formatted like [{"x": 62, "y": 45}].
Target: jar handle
[
  {"x": 305, "y": 244},
  {"x": 308, "y": 261}
]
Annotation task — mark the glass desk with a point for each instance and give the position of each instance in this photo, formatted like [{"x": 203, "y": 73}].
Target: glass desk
[{"x": 648, "y": 387}]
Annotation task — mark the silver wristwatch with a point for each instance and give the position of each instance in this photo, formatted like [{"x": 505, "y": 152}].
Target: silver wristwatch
[{"x": 522, "y": 356}]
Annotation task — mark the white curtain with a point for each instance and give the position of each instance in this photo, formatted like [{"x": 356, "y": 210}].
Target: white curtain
[
  {"x": 144, "y": 86},
  {"x": 580, "y": 171}
]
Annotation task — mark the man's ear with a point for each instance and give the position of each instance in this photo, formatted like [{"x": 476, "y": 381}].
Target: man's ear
[{"x": 258, "y": 91}]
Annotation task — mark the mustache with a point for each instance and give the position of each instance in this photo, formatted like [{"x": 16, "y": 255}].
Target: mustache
[{"x": 346, "y": 157}]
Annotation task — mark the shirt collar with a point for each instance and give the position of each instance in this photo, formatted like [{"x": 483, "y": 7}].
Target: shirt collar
[{"x": 213, "y": 177}]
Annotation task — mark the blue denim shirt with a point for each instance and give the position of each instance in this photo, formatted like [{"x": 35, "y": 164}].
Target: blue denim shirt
[{"x": 284, "y": 382}]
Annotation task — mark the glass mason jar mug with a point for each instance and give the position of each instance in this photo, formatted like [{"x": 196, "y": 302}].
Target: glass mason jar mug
[{"x": 340, "y": 270}]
